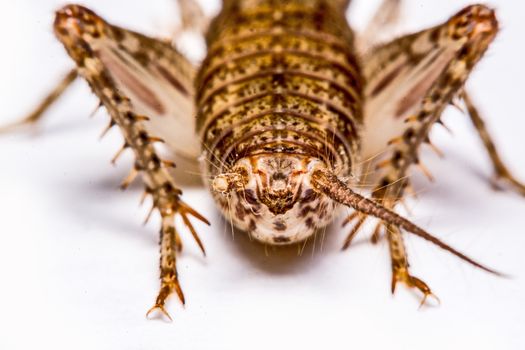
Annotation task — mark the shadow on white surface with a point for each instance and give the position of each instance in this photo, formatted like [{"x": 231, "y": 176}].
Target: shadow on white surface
[{"x": 79, "y": 270}]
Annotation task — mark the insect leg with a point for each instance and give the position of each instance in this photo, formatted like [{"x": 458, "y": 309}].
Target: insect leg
[
  {"x": 146, "y": 87},
  {"x": 410, "y": 81},
  {"x": 47, "y": 102},
  {"x": 327, "y": 183},
  {"x": 502, "y": 175},
  {"x": 406, "y": 95},
  {"x": 400, "y": 265},
  {"x": 168, "y": 266}
]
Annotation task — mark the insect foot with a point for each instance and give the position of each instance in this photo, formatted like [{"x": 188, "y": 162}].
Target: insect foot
[
  {"x": 400, "y": 266},
  {"x": 170, "y": 245},
  {"x": 107, "y": 57},
  {"x": 327, "y": 183}
]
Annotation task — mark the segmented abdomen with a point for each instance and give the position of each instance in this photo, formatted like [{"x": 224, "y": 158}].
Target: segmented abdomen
[{"x": 279, "y": 77}]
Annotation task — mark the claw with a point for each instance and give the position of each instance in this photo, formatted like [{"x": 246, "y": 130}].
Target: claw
[
  {"x": 162, "y": 310},
  {"x": 426, "y": 296},
  {"x": 410, "y": 281},
  {"x": 180, "y": 293}
]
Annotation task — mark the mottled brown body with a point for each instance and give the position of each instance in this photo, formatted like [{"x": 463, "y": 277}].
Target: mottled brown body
[
  {"x": 288, "y": 120},
  {"x": 280, "y": 78}
]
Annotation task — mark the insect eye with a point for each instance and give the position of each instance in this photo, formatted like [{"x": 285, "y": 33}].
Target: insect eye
[{"x": 220, "y": 184}]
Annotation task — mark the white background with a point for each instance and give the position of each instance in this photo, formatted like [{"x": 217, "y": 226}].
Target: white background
[{"x": 78, "y": 270}]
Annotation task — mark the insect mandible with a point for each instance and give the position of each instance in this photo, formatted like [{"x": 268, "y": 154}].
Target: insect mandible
[{"x": 291, "y": 113}]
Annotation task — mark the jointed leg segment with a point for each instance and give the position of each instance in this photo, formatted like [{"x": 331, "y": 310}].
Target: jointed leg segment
[
  {"x": 107, "y": 58},
  {"x": 147, "y": 88},
  {"x": 399, "y": 260},
  {"x": 168, "y": 266},
  {"x": 39, "y": 111},
  {"x": 410, "y": 82},
  {"x": 502, "y": 175}
]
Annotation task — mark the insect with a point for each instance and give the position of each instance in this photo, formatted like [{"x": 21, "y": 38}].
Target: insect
[{"x": 290, "y": 113}]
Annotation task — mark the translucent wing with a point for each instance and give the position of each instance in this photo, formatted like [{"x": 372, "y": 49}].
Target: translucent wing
[
  {"x": 399, "y": 75},
  {"x": 154, "y": 76}
]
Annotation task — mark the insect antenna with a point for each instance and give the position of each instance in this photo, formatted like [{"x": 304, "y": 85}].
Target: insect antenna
[
  {"x": 303, "y": 246},
  {"x": 230, "y": 214},
  {"x": 200, "y": 174},
  {"x": 329, "y": 184},
  {"x": 210, "y": 151},
  {"x": 323, "y": 237},
  {"x": 212, "y": 164},
  {"x": 313, "y": 246}
]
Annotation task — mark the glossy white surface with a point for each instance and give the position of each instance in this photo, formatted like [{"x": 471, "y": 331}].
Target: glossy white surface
[{"x": 78, "y": 270}]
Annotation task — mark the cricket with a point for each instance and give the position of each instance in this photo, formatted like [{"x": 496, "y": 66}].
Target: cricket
[{"x": 291, "y": 114}]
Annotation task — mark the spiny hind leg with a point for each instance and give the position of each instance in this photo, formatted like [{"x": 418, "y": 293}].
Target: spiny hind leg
[
  {"x": 192, "y": 18},
  {"x": 146, "y": 86},
  {"x": 502, "y": 175},
  {"x": 169, "y": 247},
  {"x": 410, "y": 82}
]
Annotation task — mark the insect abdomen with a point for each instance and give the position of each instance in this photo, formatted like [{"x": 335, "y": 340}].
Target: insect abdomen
[{"x": 279, "y": 77}]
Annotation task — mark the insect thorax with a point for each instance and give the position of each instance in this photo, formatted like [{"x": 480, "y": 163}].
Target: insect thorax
[{"x": 278, "y": 92}]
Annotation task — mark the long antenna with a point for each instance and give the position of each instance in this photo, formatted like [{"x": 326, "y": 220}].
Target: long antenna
[{"x": 330, "y": 185}]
